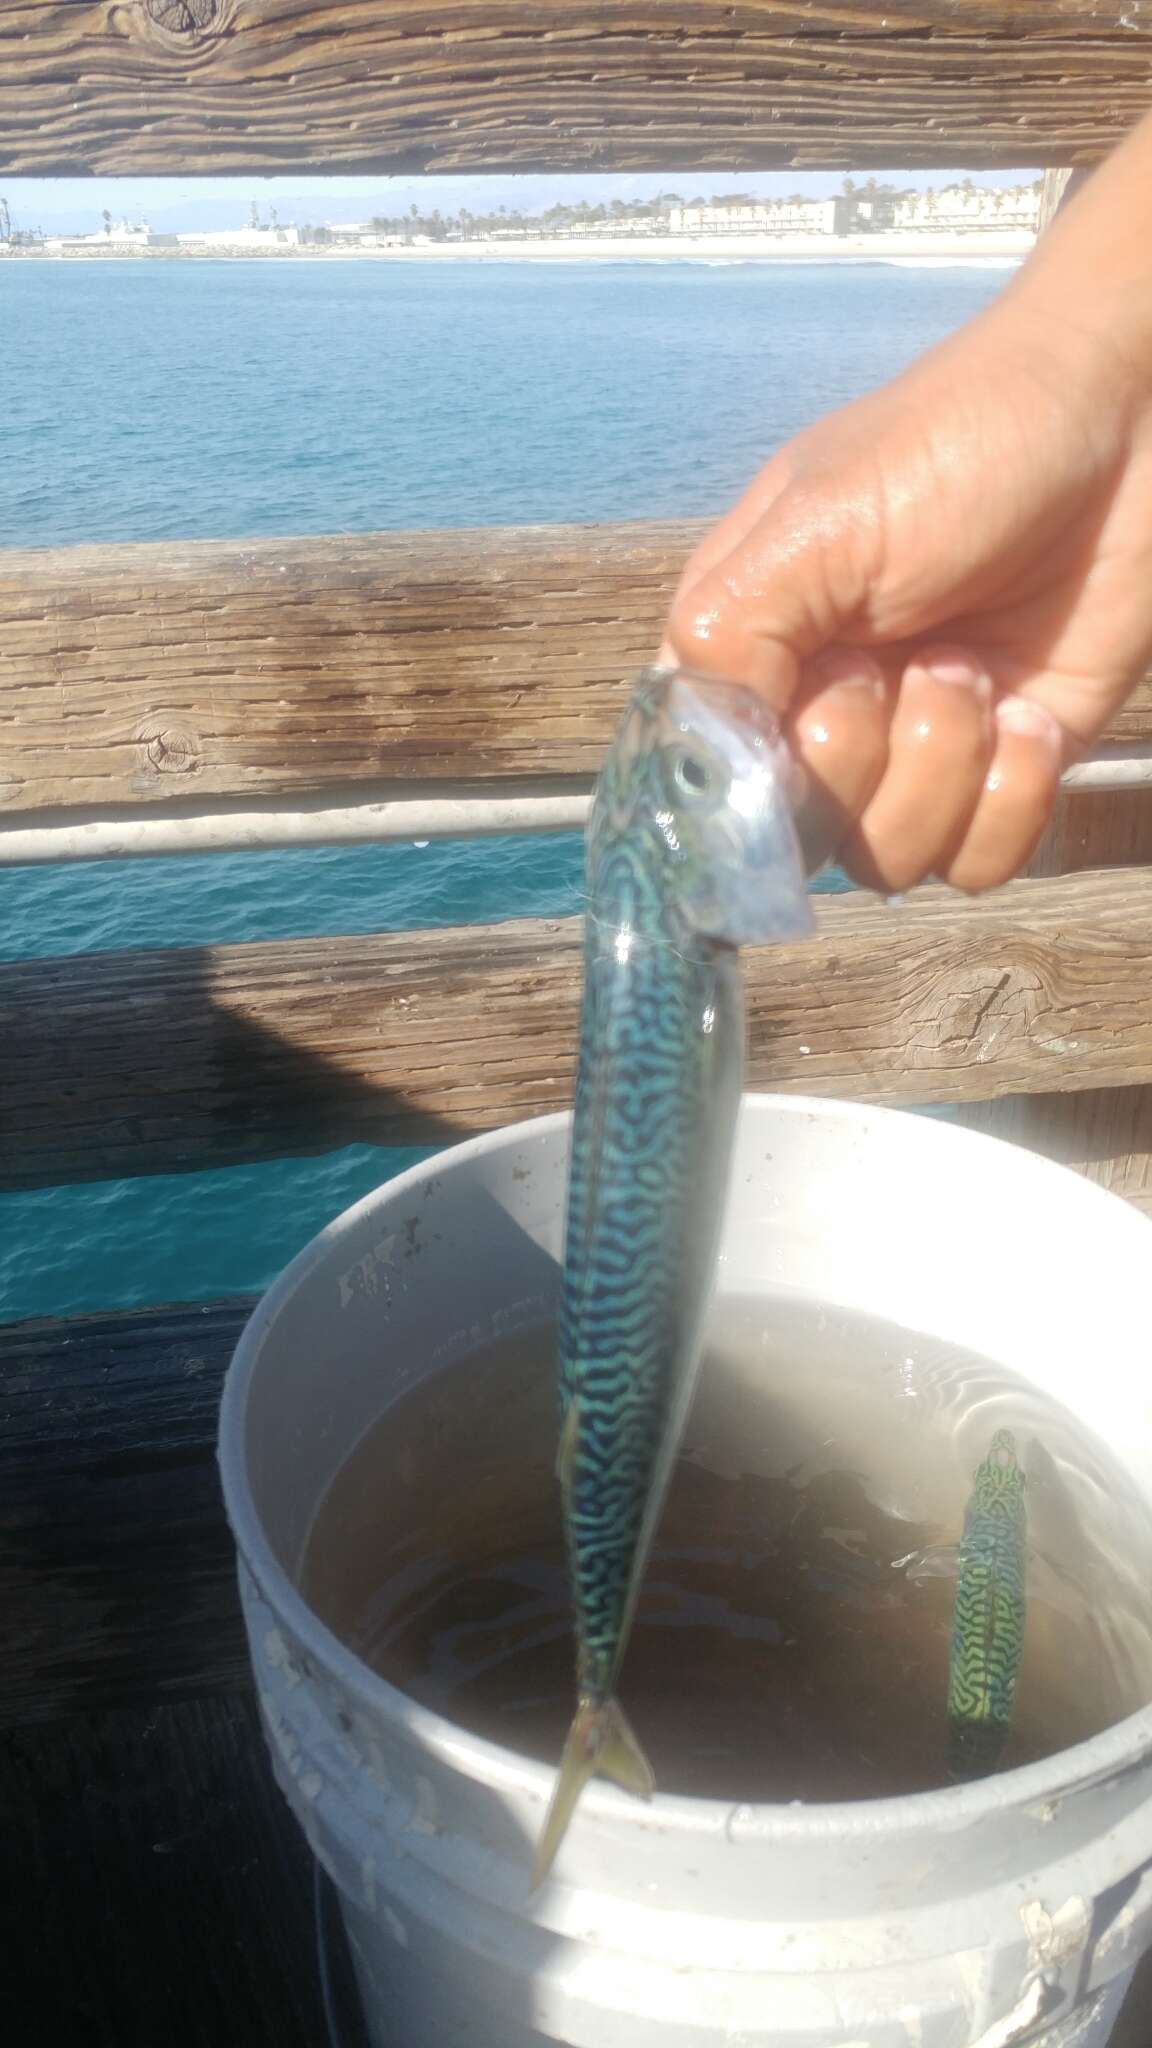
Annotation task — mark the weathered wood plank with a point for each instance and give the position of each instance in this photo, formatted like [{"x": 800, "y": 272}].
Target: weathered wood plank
[
  {"x": 159, "y": 1062},
  {"x": 183, "y": 86},
  {"x": 1105, "y": 1132},
  {"x": 1096, "y": 829},
  {"x": 155, "y": 674},
  {"x": 145, "y": 674},
  {"x": 158, "y": 1887},
  {"x": 117, "y": 1571}
]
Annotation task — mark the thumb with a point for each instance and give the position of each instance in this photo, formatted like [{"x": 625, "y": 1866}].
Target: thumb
[{"x": 784, "y": 592}]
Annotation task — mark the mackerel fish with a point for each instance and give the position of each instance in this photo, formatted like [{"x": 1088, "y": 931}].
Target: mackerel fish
[
  {"x": 691, "y": 853},
  {"x": 989, "y": 1613}
]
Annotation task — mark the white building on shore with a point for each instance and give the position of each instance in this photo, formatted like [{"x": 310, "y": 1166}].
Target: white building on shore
[
  {"x": 250, "y": 238},
  {"x": 955, "y": 209},
  {"x": 119, "y": 235},
  {"x": 358, "y": 234},
  {"x": 961, "y": 209},
  {"x": 756, "y": 217}
]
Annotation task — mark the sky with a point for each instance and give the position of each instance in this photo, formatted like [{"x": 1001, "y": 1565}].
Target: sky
[{"x": 175, "y": 205}]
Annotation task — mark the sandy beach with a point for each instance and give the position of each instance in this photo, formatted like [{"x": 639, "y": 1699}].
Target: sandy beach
[
  {"x": 916, "y": 248},
  {"x": 912, "y": 247}
]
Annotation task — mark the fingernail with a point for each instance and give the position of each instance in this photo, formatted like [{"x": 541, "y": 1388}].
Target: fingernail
[
  {"x": 1031, "y": 720},
  {"x": 957, "y": 669},
  {"x": 844, "y": 668}
]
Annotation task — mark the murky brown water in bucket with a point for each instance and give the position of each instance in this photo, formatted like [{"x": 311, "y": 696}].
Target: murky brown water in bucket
[{"x": 792, "y": 1638}]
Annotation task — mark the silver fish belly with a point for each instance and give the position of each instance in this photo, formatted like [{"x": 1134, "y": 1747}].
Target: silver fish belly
[{"x": 691, "y": 852}]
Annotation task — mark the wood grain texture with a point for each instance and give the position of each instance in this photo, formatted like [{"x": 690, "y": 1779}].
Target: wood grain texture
[
  {"x": 1096, "y": 829},
  {"x": 117, "y": 1571},
  {"x": 135, "y": 675},
  {"x": 158, "y": 1887},
  {"x": 220, "y": 86},
  {"x": 163, "y": 674},
  {"x": 1104, "y": 1132},
  {"x": 161, "y": 1062}
]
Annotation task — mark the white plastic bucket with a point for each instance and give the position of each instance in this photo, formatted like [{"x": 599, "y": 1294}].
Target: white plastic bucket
[{"x": 986, "y": 1916}]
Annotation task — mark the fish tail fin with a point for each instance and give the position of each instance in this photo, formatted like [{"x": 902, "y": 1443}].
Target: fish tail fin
[{"x": 600, "y": 1745}]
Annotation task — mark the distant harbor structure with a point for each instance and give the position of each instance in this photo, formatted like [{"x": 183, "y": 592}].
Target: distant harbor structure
[
  {"x": 859, "y": 218},
  {"x": 254, "y": 239},
  {"x": 124, "y": 236}
]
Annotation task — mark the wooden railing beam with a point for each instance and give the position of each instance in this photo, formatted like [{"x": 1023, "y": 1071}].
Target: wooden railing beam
[
  {"x": 1106, "y": 1133},
  {"x": 386, "y": 86},
  {"x": 167, "y": 1061},
  {"x": 170, "y": 674}
]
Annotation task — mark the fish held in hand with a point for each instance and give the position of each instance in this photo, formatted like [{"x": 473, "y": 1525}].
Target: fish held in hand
[
  {"x": 989, "y": 1614},
  {"x": 691, "y": 853}
]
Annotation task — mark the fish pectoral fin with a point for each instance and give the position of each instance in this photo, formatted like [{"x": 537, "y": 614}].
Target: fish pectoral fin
[
  {"x": 600, "y": 1744},
  {"x": 566, "y": 1453}
]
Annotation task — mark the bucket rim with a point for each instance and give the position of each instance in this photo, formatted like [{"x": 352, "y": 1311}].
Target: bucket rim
[{"x": 1122, "y": 1748}]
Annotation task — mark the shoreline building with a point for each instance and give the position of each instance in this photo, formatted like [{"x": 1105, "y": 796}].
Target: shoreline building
[
  {"x": 873, "y": 209},
  {"x": 118, "y": 237},
  {"x": 250, "y": 238},
  {"x": 968, "y": 208},
  {"x": 796, "y": 216}
]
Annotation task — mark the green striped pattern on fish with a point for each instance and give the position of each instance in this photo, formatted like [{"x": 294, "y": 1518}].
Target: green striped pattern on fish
[
  {"x": 989, "y": 1615},
  {"x": 691, "y": 851},
  {"x": 656, "y": 1100}
]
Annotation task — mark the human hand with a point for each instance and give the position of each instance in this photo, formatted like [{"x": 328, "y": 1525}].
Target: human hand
[{"x": 946, "y": 588}]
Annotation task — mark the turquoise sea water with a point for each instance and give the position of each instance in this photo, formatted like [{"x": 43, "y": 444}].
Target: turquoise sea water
[{"x": 153, "y": 401}]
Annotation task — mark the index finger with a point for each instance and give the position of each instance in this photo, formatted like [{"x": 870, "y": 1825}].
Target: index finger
[{"x": 759, "y": 610}]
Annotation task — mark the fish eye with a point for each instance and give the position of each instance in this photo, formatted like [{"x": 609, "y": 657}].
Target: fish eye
[{"x": 695, "y": 776}]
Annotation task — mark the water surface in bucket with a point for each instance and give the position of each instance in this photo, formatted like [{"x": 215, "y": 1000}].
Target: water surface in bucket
[{"x": 792, "y": 1637}]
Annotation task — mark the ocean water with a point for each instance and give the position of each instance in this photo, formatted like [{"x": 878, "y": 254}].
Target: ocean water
[{"x": 213, "y": 400}]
